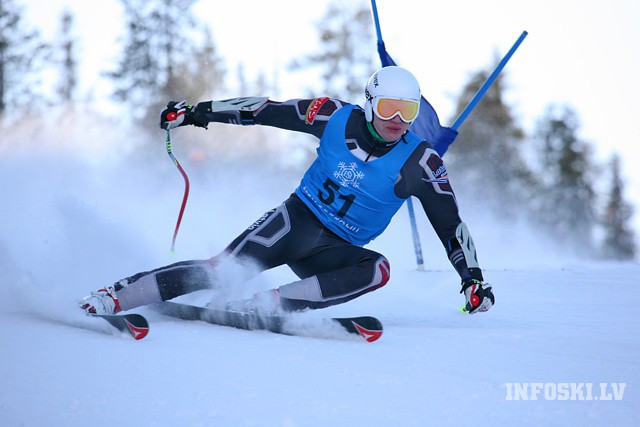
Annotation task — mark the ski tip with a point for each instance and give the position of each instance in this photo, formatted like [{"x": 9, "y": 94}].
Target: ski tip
[
  {"x": 137, "y": 332},
  {"x": 369, "y": 335},
  {"x": 135, "y": 324}
]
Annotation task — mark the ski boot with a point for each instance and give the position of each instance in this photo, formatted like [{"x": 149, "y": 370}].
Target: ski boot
[{"x": 104, "y": 301}]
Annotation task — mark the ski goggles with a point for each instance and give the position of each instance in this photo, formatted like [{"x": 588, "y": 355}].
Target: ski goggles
[{"x": 388, "y": 108}]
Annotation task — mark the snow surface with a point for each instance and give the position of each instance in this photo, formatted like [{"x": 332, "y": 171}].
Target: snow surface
[{"x": 74, "y": 222}]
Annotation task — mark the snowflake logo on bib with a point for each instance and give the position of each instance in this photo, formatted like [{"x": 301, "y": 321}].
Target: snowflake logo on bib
[{"x": 348, "y": 175}]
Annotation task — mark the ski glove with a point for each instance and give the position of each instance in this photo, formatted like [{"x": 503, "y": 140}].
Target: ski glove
[
  {"x": 479, "y": 296},
  {"x": 180, "y": 114}
]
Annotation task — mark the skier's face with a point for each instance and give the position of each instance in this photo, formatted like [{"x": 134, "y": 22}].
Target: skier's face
[{"x": 390, "y": 130}]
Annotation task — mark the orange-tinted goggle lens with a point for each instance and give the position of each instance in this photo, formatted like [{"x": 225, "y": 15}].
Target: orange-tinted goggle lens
[{"x": 387, "y": 108}]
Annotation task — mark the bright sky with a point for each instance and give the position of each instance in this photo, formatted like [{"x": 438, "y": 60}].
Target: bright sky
[{"x": 579, "y": 52}]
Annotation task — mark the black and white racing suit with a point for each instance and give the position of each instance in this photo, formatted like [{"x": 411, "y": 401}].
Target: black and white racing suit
[{"x": 331, "y": 270}]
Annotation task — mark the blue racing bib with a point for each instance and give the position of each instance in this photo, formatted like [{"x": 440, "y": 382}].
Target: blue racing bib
[{"x": 353, "y": 198}]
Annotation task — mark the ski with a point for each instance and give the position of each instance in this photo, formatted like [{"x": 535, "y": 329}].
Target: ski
[
  {"x": 135, "y": 324},
  {"x": 365, "y": 327}
]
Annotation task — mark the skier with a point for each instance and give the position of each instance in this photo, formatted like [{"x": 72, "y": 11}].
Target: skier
[{"x": 368, "y": 163}]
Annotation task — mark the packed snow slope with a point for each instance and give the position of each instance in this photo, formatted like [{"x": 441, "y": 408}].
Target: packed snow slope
[{"x": 72, "y": 223}]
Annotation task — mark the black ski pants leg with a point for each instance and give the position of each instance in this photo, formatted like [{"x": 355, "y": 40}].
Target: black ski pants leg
[{"x": 332, "y": 270}]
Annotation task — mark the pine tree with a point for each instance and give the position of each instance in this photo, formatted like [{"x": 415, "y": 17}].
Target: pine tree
[
  {"x": 619, "y": 240},
  {"x": 68, "y": 75},
  {"x": 346, "y": 51},
  {"x": 162, "y": 59},
  {"x": 243, "y": 87},
  {"x": 140, "y": 73},
  {"x": 21, "y": 59},
  {"x": 487, "y": 154},
  {"x": 568, "y": 202},
  {"x": 200, "y": 75}
]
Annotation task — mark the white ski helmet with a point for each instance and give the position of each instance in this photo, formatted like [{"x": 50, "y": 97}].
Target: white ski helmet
[{"x": 390, "y": 82}]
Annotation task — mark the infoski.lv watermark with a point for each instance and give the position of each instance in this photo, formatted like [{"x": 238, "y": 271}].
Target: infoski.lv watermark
[{"x": 565, "y": 391}]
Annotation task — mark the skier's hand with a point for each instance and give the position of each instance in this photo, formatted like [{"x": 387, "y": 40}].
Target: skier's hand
[
  {"x": 478, "y": 295},
  {"x": 180, "y": 114}
]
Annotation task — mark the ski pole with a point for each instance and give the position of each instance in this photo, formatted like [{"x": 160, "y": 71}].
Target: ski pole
[{"x": 186, "y": 190}]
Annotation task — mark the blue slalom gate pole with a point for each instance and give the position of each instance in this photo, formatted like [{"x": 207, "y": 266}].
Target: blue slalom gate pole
[
  {"x": 376, "y": 21},
  {"x": 416, "y": 237},
  {"x": 456, "y": 125},
  {"x": 417, "y": 247}
]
